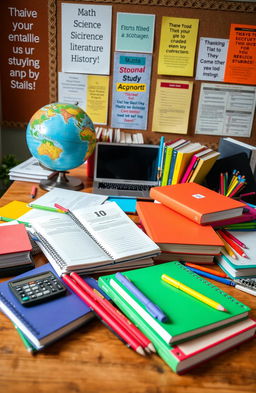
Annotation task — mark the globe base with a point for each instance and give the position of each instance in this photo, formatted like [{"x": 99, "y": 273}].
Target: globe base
[{"x": 61, "y": 180}]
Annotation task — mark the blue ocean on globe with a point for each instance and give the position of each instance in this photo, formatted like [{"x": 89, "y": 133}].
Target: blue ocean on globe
[{"x": 61, "y": 136}]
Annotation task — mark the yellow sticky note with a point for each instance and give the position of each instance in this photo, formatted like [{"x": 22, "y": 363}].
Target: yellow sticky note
[{"x": 177, "y": 46}]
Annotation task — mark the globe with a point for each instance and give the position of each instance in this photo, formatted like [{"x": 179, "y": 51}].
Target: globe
[{"x": 61, "y": 136}]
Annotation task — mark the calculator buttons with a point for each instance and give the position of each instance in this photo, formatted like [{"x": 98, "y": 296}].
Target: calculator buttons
[{"x": 43, "y": 287}]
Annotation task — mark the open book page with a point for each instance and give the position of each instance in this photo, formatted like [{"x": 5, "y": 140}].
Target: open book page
[
  {"x": 73, "y": 245},
  {"x": 116, "y": 232},
  {"x": 69, "y": 199}
]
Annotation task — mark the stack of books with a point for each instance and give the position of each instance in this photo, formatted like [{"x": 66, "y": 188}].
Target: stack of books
[
  {"x": 183, "y": 161},
  {"x": 15, "y": 249},
  {"x": 201, "y": 320},
  {"x": 42, "y": 324},
  {"x": 30, "y": 170},
  {"x": 115, "y": 135},
  {"x": 179, "y": 224}
]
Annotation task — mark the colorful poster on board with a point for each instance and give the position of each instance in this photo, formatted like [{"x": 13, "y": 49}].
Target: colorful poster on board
[
  {"x": 177, "y": 46},
  {"x": 135, "y": 32},
  {"x": 24, "y": 67},
  {"x": 172, "y": 106},
  {"x": 90, "y": 92},
  {"x": 211, "y": 59},
  {"x": 131, "y": 87},
  {"x": 225, "y": 109},
  {"x": 85, "y": 38},
  {"x": 241, "y": 57}
]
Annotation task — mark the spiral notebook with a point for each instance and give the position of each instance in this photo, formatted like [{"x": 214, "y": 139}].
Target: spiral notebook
[
  {"x": 46, "y": 322},
  {"x": 187, "y": 316},
  {"x": 93, "y": 238}
]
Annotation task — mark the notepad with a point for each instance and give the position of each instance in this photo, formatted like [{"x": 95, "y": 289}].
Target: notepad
[{"x": 187, "y": 316}]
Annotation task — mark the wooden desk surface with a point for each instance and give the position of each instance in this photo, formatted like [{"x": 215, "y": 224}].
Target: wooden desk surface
[{"x": 93, "y": 360}]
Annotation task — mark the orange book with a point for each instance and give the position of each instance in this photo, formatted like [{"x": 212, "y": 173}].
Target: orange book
[
  {"x": 198, "y": 203},
  {"x": 175, "y": 233}
]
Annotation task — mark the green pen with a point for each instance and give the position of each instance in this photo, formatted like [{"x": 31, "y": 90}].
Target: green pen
[
  {"x": 50, "y": 209},
  {"x": 13, "y": 219}
]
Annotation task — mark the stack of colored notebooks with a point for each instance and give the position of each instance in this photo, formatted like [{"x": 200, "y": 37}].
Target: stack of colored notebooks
[
  {"x": 194, "y": 330},
  {"x": 44, "y": 323},
  {"x": 182, "y": 223}
]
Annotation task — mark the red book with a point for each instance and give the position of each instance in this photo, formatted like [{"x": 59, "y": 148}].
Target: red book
[
  {"x": 198, "y": 203},
  {"x": 14, "y": 239}
]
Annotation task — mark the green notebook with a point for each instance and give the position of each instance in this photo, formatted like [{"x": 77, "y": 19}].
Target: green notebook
[{"x": 187, "y": 316}]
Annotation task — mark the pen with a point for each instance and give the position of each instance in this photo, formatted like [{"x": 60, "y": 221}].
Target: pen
[
  {"x": 13, "y": 219},
  {"x": 121, "y": 318},
  {"x": 205, "y": 269},
  {"x": 48, "y": 208},
  {"x": 104, "y": 315},
  {"x": 63, "y": 209},
  {"x": 236, "y": 284},
  {"x": 184, "y": 288},
  {"x": 212, "y": 276},
  {"x": 33, "y": 192},
  {"x": 152, "y": 308}
]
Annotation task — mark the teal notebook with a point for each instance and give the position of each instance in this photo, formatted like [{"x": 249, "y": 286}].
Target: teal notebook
[{"x": 187, "y": 316}]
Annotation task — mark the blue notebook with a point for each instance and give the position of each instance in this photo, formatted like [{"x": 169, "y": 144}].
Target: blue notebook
[{"x": 44, "y": 323}]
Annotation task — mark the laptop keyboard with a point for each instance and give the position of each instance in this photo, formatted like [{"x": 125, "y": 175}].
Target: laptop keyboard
[{"x": 132, "y": 187}]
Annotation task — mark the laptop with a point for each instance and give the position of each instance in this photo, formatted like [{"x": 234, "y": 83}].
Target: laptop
[{"x": 128, "y": 170}]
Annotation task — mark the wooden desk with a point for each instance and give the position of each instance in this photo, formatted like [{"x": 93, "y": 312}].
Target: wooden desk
[{"x": 93, "y": 360}]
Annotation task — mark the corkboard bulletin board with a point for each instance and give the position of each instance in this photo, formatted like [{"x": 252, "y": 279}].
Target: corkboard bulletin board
[{"x": 214, "y": 17}]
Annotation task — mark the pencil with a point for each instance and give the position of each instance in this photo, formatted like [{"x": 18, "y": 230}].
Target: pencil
[
  {"x": 227, "y": 233},
  {"x": 121, "y": 318},
  {"x": 48, "y": 208},
  {"x": 227, "y": 247}
]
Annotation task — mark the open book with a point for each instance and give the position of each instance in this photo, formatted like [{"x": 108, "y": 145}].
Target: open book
[{"x": 92, "y": 239}]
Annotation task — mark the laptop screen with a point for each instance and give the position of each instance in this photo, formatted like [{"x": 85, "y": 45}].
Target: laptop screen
[{"x": 126, "y": 162}]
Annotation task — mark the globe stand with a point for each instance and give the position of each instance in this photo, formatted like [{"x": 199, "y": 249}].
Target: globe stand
[{"x": 60, "y": 180}]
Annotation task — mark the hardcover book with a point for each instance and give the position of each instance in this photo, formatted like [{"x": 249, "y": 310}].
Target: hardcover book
[
  {"x": 175, "y": 233},
  {"x": 198, "y": 203},
  {"x": 168, "y": 337}
]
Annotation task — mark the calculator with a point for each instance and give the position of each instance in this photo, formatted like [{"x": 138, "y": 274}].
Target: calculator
[{"x": 37, "y": 288}]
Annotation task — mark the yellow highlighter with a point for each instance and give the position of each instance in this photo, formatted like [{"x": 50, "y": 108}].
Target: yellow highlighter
[{"x": 192, "y": 292}]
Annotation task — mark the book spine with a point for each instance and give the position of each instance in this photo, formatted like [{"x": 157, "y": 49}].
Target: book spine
[
  {"x": 167, "y": 163},
  {"x": 189, "y": 169},
  {"x": 172, "y": 166}
]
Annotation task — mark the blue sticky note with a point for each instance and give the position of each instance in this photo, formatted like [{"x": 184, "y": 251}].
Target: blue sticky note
[{"x": 128, "y": 205}]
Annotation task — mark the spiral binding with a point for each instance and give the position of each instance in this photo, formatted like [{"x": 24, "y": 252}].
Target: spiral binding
[
  {"x": 18, "y": 314},
  {"x": 232, "y": 299},
  {"x": 57, "y": 258},
  {"x": 78, "y": 222},
  {"x": 247, "y": 283}
]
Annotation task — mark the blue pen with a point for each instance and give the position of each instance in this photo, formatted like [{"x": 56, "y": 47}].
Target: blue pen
[
  {"x": 152, "y": 308},
  {"x": 212, "y": 276},
  {"x": 160, "y": 158}
]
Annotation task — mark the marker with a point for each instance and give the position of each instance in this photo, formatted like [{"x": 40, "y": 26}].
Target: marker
[
  {"x": 152, "y": 308},
  {"x": 33, "y": 192},
  {"x": 50, "y": 209},
  {"x": 212, "y": 276},
  {"x": 177, "y": 284},
  {"x": 6, "y": 219}
]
